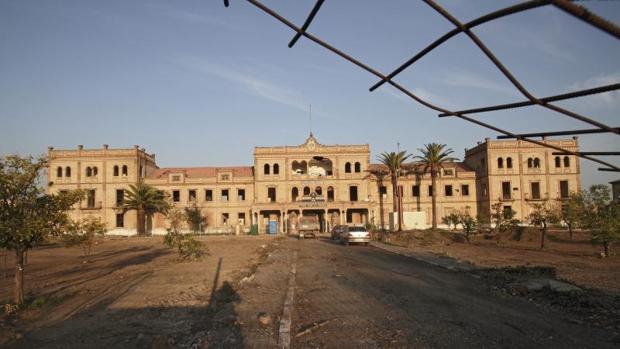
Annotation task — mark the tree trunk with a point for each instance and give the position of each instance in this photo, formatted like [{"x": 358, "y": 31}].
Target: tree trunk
[
  {"x": 542, "y": 238},
  {"x": 140, "y": 222},
  {"x": 606, "y": 245},
  {"x": 395, "y": 198},
  {"x": 19, "y": 276},
  {"x": 570, "y": 232},
  {"x": 400, "y": 210},
  {"x": 434, "y": 197}
]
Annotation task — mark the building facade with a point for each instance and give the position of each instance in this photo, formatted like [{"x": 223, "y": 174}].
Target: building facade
[{"x": 337, "y": 183}]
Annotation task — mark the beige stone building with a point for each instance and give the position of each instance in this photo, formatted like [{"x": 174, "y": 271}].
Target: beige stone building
[{"x": 338, "y": 183}]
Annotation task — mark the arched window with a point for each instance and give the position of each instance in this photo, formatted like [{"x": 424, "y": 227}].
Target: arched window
[
  {"x": 294, "y": 193},
  {"x": 276, "y": 169},
  {"x": 124, "y": 170},
  {"x": 318, "y": 191},
  {"x": 59, "y": 172},
  {"x": 508, "y": 162},
  {"x": 115, "y": 170},
  {"x": 95, "y": 170},
  {"x": 536, "y": 163},
  {"x": 500, "y": 163},
  {"x": 68, "y": 171},
  {"x": 566, "y": 161},
  {"x": 89, "y": 172},
  {"x": 530, "y": 163},
  {"x": 558, "y": 162},
  {"x": 306, "y": 190},
  {"x": 266, "y": 169},
  {"x": 358, "y": 167},
  {"x": 347, "y": 167},
  {"x": 330, "y": 194}
]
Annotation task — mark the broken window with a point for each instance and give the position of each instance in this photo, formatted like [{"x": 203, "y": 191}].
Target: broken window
[
  {"x": 506, "y": 190},
  {"x": 241, "y": 194},
  {"x": 300, "y": 167},
  {"x": 508, "y": 162},
  {"x": 124, "y": 170},
  {"x": 95, "y": 171},
  {"x": 294, "y": 194},
  {"x": 358, "y": 167},
  {"x": 116, "y": 171},
  {"x": 530, "y": 163},
  {"x": 306, "y": 190},
  {"x": 430, "y": 190},
  {"x": 89, "y": 172},
  {"x": 415, "y": 191},
  {"x": 320, "y": 166},
  {"x": 558, "y": 162},
  {"x": 484, "y": 189},
  {"x": 120, "y": 220},
  {"x": 566, "y": 161},
  {"x": 508, "y": 213},
  {"x": 68, "y": 171},
  {"x": 465, "y": 189},
  {"x": 271, "y": 194},
  {"x": 276, "y": 169},
  {"x": 353, "y": 193},
  {"x": 176, "y": 195},
  {"x": 59, "y": 172},
  {"x": 448, "y": 190},
  {"x": 266, "y": 169},
  {"x": 330, "y": 194},
  {"x": 535, "y": 190},
  {"x": 241, "y": 218},
  {"x": 383, "y": 191},
  {"x": 564, "y": 189},
  {"x": 225, "y": 218},
  {"x": 347, "y": 167},
  {"x": 192, "y": 195},
  {"x": 500, "y": 163},
  {"x": 208, "y": 195},
  {"x": 448, "y": 173},
  {"x": 536, "y": 163},
  {"x": 224, "y": 195}
]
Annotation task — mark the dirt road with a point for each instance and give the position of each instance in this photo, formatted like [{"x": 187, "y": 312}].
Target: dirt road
[
  {"x": 133, "y": 294},
  {"x": 363, "y": 297}
]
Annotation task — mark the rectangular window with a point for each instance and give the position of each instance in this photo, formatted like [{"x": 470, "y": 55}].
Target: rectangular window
[
  {"x": 508, "y": 214},
  {"x": 224, "y": 195},
  {"x": 506, "y": 190},
  {"x": 208, "y": 195},
  {"x": 448, "y": 189},
  {"x": 120, "y": 195},
  {"x": 241, "y": 194},
  {"x": 176, "y": 195},
  {"x": 564, "y": 189},
  {"x": 353, "y": 193},
  {"x": 465, "y": 189},
  {"x": 120, "y": 220},
  {"x": 330, "y": 194},
  {"x": 90, "y": 198},
  {"x": 430, "y": 190},
  {"x": 271, "y": 194},
  {"x": 176, "y": 178},
  {"x": 535, "y": 190},
  {"x": 415, "y": 191},
  {"x": 241, "y": 218},
  {"x": 383, "y": 191},
  {"x": 225, "y": 177},
  {"x": 192, "y": 195},
  {"x": 225, "y": 218},
  {"x": 484, "y": 189},
  {"x": 448, "y": 173}
]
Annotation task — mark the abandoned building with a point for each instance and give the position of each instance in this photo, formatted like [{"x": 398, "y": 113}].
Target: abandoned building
[{"x": 338, "y": 183}]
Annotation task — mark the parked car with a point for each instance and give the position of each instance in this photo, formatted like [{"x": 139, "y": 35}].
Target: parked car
[
  {"x": 357, "y": 235},
  {"x": 337, "y": 230}
]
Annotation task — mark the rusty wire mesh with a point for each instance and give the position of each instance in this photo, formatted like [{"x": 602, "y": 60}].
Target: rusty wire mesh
[{"x": 568, "y": 7}]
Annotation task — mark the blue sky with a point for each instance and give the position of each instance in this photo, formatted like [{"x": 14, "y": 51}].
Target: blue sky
[{"x": 199, "y": 84}]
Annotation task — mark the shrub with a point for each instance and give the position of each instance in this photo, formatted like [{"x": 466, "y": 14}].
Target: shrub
[
  {"x": 84, "y": 234},
  {"x": 185, "y": 244}
]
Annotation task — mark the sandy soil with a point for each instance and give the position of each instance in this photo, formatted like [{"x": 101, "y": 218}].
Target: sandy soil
[
  {"x": 577, "y": 260},
  {"x": 132, "y": 292}
]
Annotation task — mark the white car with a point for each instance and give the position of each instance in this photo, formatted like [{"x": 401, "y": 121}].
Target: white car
[{"x": 355, "y": 235}]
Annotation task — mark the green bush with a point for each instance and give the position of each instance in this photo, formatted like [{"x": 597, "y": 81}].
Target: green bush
[{"x": 185, "y": 244}]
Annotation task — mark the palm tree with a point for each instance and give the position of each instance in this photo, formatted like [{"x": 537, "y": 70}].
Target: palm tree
[
  {"x": 146, "y": 200},
  {"x": 394, "y": 162},
  {"x": 434, "y": 157}
]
